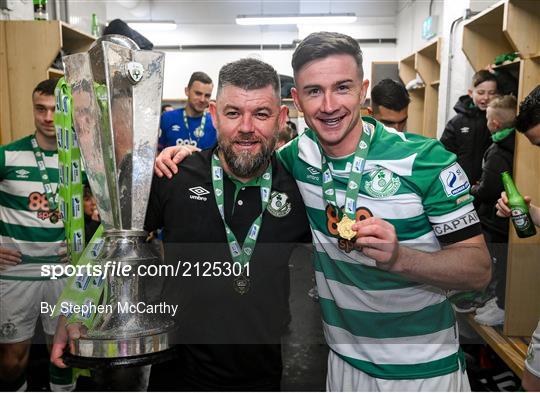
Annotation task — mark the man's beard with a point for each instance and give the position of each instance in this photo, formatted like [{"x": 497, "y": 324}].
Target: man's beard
[{"x": 246, "y": 164}]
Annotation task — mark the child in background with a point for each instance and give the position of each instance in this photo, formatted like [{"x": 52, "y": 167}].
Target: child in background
[
  {"x": 499, "y": 157},
  {"x": 466, "y": 134}
]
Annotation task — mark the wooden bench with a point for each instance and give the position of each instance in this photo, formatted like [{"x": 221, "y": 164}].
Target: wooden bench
[{"x": 512, "y": 350}]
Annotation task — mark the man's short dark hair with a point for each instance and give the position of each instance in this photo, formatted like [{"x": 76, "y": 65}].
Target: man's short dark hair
[
  {"x": 529, "y": 111},
  {"x": 390, "y": 94},
  {"x": 46, "y": 87},
  {"x": 249, "y": 74},
  {"x": 200, "y": 77},
  {"x": 483, "y": 76},
  {"x": 323, "y": 44}
]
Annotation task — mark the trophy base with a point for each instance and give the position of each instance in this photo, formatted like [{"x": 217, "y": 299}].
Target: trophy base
[
  {"x": 106, "y": 349},
  {"x": 131, "y": 361}
]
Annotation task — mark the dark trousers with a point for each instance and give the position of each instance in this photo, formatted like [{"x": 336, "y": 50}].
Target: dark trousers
[{"x": 498, "y": 249}]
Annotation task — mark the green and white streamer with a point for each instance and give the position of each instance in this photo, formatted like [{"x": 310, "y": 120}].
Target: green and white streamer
[{"x": 84, "y": 289}]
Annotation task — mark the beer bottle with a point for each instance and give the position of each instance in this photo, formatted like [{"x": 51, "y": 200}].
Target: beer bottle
[
  {"x": 521, "y": 217},
  {"x": 95, "y": 26}
]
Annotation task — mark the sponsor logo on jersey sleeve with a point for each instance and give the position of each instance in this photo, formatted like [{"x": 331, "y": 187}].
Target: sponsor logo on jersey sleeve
[{"x": 454, "y": 180}]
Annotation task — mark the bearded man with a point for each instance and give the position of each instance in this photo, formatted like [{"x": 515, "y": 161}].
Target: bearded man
[{"x": 231, "y": 217}]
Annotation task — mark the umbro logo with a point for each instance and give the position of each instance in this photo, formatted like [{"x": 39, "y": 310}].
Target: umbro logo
[
  {"x": 312, "y": 170},
  {"x": 464, "y": 130},
  {"x": 22, "y": 174},
  {"x": 313, "y": 173},
  {"x": 198, "y": 193},
  {"x": 175, "y": 127}
]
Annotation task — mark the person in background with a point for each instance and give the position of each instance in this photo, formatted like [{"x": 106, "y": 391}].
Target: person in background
[
  {"x": 499, "y": 158},
  {"x": 284, "y": 136},
  {"x": 191, "y": 125},
  {"x": 390, "y": 104},
  {"x": 32, "y": 234},
  {"x": 91, "y": 214},
  {"x": 166, "y": 108},
  {"x": 528, "y": 122},
  {"x": 466, "y": 134}
]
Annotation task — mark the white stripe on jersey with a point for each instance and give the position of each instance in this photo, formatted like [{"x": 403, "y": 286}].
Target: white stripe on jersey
[
  {"x": 400, "y": 350},
  {"x": 350, "y": 297},
  {"x": 309, "y": 153},
  {"x": 26, "y": 218},
  {"x": 469, "y": 207},
  {"x": 18, "y": 158},
  {"x": 400, "y": 206},
  {"x": 329, "y": 245},
  {"x": 23, "y": 188},
  {"x": 32, "y": 249}
]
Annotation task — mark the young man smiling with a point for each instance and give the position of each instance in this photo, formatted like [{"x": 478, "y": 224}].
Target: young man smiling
[{"x": 393, "y": 226}]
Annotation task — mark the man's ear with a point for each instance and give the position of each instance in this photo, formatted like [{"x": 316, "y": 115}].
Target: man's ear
[
  {"x": 363, "y": 92},
  {"x": 186, "y": 91},
  {"x": 469, "y": 92},
  {"x": 296, "y": 100},
  {"x": 282, "y": 117},
  {"x": 212, "y": 108}
]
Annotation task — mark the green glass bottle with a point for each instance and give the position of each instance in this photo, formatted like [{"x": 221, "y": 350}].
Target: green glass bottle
[
  {"x": 40, "y": 10},
  {"x": 95, "y": 26},
  {"x": 521, "y": 217}
]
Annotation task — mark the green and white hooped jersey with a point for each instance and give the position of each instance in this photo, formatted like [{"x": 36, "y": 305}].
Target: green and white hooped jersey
[
  {"x": 24, "y": 211},
  {"x": 380, "y": 322}
]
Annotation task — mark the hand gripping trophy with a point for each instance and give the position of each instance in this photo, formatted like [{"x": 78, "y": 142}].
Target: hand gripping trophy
[{"x": 116, "y": 90}]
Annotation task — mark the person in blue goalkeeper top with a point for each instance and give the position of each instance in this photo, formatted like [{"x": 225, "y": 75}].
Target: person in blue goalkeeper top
[
  {"x": 393, "y": 227},
  {"x": 191, "y": 125}
]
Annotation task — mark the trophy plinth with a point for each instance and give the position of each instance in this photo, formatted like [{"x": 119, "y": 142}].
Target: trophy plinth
[
  {"x": 122, "y": 335},
  {"x": 116, "y": 90}
]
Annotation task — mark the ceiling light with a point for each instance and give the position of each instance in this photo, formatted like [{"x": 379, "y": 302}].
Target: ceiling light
[
  {"x": 251, "y": 20},
  {"x": 153, "y": 25}
]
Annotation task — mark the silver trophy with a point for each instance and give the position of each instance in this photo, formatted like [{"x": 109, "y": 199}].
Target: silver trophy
[{"x": 117, "y": 91}]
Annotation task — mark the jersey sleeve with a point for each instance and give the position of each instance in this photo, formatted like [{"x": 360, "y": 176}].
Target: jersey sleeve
[{"x": 445, "y": 194}]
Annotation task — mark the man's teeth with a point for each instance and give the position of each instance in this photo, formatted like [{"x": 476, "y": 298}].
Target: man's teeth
[{"x": 332, "y": 121}]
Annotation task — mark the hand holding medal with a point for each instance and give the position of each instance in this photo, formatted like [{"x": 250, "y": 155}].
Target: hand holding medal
[
  {"x": 348, "y": 218},
  {"x": 378, "y": 240}
]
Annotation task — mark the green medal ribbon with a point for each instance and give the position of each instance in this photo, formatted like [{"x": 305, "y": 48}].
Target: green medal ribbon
[
  {"x": 199, "y": 131},
  {"x": 82, "y": 289},
  {"x": 52, "y": 199},
  {"x": 240, "y": 255},
  {"x": 353, "y": 186}
]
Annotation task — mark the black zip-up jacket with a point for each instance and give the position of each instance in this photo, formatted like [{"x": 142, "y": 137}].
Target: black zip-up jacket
[
  {"x": 467, "y": 136},
  {"x": 499, "y": 158}
]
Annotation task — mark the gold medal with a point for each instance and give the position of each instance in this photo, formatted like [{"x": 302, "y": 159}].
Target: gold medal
[{"x": 344, "y": 227}]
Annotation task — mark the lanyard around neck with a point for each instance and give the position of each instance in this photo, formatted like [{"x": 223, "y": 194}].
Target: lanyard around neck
[
  {"x": 353, "y": 185},
  {"x": 199, "y": 131},
  {"x": 240, "y": 255}
]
